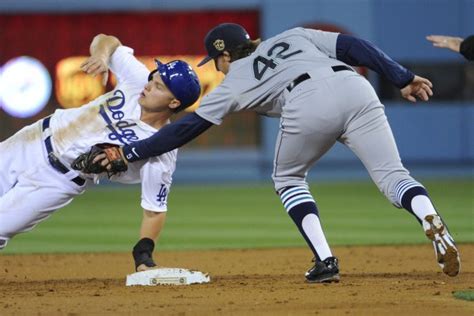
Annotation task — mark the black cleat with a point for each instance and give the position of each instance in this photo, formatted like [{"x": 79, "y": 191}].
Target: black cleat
[
  {"x": 3, "y": 243},
  {"x": 325, "y": 271}
]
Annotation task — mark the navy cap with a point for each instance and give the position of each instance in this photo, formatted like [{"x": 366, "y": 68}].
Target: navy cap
[{"x": 226, "y": 36}]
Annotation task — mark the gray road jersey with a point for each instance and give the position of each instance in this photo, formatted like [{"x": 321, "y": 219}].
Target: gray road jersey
[{"x": 257, "y": 82}]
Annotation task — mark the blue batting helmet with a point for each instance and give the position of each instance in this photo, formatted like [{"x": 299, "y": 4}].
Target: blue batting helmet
[{"x": 181, "y": 79}]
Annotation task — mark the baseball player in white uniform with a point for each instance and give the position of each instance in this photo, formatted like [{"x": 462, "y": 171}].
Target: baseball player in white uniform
[
  {"x": 305, "y": 77},
  {"x": 36, "y": 178}
]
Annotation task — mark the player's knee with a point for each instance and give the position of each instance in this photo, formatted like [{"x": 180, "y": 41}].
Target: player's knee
[{"x": 282, "y": 182}]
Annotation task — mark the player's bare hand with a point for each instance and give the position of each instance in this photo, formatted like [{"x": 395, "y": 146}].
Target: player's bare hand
[
  {"x": 102, "y": 159},
  {"x": 96, "y": 65},
  {"x": 453, "y": 43},
  {"x": 419, "y": 88}
]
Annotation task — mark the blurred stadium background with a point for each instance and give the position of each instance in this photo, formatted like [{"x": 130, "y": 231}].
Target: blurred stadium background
[{"x": 42, "y": 42}]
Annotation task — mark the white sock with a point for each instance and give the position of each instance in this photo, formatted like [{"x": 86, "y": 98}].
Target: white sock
[
  {"x": 312, "y": 227},
  {"x": 422, "y": 206}
]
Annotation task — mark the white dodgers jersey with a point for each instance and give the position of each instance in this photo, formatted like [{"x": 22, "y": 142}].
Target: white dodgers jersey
[{"x": 115, "y": 118}]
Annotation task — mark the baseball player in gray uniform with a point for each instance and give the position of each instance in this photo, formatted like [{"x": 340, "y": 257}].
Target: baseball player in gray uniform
[
  {"x": 36, "y": 161},
  {"x": 304, "y": 76}
]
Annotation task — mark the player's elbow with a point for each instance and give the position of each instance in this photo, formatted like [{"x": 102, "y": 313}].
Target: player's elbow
[
  {"x": 103, "y": 36},
  {"x": 104, "y": 39},
  {"x": 100, "y": 36}
]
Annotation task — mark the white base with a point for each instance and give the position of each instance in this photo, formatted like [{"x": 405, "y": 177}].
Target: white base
[{"x": 174, "y": 276}]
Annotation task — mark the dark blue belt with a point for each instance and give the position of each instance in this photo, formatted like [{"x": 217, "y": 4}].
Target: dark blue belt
[
  {"x": 53, "y": 160},
  {"x": 305, "y": 76}
]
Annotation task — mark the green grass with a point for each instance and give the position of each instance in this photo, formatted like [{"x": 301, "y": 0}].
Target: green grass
[
  {"x": 464, "y": 295},
  {"x": 211, "y": 217}
]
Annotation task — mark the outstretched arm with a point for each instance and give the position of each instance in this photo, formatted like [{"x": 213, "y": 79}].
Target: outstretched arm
[
  {"x": 152, "y": 224},
  {"x": 359, "y": 52},
  {"x": 114, "y": 159},
  {"x": 170, "y": 137},
  {"x": 456, "y": 44},
  {"x": 450, "y": 42},
  {"x": 102, "y": 47}
]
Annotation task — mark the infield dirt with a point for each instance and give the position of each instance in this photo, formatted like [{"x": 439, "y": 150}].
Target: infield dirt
[{"x": 391, "y": 280}]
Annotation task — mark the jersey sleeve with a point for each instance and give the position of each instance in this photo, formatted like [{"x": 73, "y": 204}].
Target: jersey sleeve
[
  {"x": 467, "y": 48},
  {"x": 358, "y": 52},
  {"x": 157, "y": 176},
  {"x": 127, "y": 68},
  {"x": 217, "y": 104},
  {"x": 324, "y": 41},
  {"x": 169, "y": 137}
]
